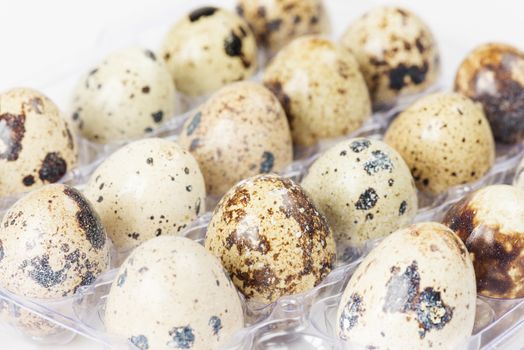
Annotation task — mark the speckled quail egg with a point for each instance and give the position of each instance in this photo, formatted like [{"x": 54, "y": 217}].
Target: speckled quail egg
[
  {"x": 173, "y": 294},
  {"x": 490, "y": 221},
  {"x": 320, "y": 87},
  {"x": 209, "y": 48},
  {"x": 277, "y": 22},
  {"x": 396, "y": 52},
  {"x": 445, "y": 139},
  {"x": 241, "y": 127},
  {"x": 36, "y": 143},
  {"x": 127, "y": 95},
  {"x": 147, "y": 188},
  {"x": 493, "y": 74},
  {"x": 51, "y": 243},
  {"x": 415, "y": 290},
  {"x": 271, "y": 238},
  {"x": 364, "y": 188}
]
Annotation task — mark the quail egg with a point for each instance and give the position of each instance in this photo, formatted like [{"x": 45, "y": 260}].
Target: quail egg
[
  {"x": 364, "y": 188},
  {"x": 445, "y": 139},
  {"x": 320, "y": 87},
  {"x": 241, "y": 127},
  {"x": 36, "y": 143},
  {"x": 271, "y": 238},
  {"x": 493, "y": 74},
  {"x": 173, "y": 294},
  {"x": 396, "y": 52},
  {"x": 490, "y": 221},
  {"x": 277, "y": 22},
  {"x": 127, "y": 95},
  {"x": 147, "y": 188},
  {"x": 415, "y": 290},
  {"x": 209, "y": 48}
]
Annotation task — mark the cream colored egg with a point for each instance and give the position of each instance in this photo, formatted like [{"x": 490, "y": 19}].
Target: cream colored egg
[
  {"x": 125, "y": 96},
  {"x": 445, "y": 139},
  {"x": 271, "y": 238},
  {"x": 320, "y": 87},
  {"x": 415, "y": 290},
  {"x": 146, "y": 189},
  {"x": 239, "y": 132},
  {"x": 173, "y": 294},
  {"x": 396, "y": 51},
  {"x": 364, "y": 188},
  {"x": 36, "y": 143},
  {"x": 209, "y": 48}
]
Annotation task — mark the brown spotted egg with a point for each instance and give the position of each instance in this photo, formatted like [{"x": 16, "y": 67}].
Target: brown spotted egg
[
  {"x": 445, "y": 139},
  {"x": 490, "y": 221},
  {"x": 415, "y": 290},
  {"x": 396, "y": 52},
  {"x": 36, "y": 143},
  {"x": 147, "y": 188},
  {"x": 271, "y": 238},
  {"x": 493, "y": 74},
  {"x": 173, "y": 294},
  {"x": 320, "y": 87},
  {"x": 277, "y": 22},
  {"x": 209, "y": 48},
  {"x": 364, "y": 188},
  {"x": 127, "y": 95},
  {"x": 241, "y": 127}
]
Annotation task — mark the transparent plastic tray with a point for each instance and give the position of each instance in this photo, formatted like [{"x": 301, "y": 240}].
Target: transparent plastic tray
[{"x": 304, "y": 321}]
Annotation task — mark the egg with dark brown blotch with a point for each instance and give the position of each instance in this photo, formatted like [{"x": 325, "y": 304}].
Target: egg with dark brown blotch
[
  {"x": 396, "y": 51},
  {"x": 445, "y": 140},
  {"x": 241, "y": 127},
  {"x": 277, "y": 22},
  {"x": 415, "y": 290},
  {"x": 493, "y": 74},
  {"x": 271, "y": 238},
  {"x": 171, "y": 293},
  {"x": 321, "y": 88},
  {"x": 490, "y": 221},
  {"x": 37, "y": 146}
]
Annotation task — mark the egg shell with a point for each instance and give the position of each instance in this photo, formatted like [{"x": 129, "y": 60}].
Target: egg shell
[
  {"x": 277, "y": 22},
  {"x": 51, "y": 243},
  {"x": 29, "y": 323},
  {"x": 241, "y": 127},
  {"x": 172, "y": 293},
  {"x": 209, "y": 48},
  {"x": 320, "y": 87},
  {"x": 445, "y": 140},
  {"x": 271, "y": 238},
  {"x": 396, "y": 51},
  {"x": 493, "y": 74},
  {"x": 147, "y": 188},
  {"x": 364, "y": 188},
  {"x": 415, "y": 290},
  {"x": 490, "y": 221},
  {"x": 126, "y": 95},
  {"x": 36, "y": 143}
]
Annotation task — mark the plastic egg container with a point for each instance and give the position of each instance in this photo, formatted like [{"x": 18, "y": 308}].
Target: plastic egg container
[{"x": 303, "y": 321}]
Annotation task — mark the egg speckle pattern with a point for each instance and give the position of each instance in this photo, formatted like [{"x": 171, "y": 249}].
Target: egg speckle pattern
[
  {"x": 271, "y": 238},
  {"x": 194, "y": 305},
  {"x": 493, "y": 74},
  {"x": 36, "y": 143},
  {"x": 148, "y": 188},
  {"x": 209, "y": 48},
  {"x": 364, "y": 188},
  {"x": 320, "y": 87},
  {"x": 396, "y": 53},
  {"x": 426, "y": 296},
  {"x": 445, "y": 140},
  {"x": 241, "y": 127}
]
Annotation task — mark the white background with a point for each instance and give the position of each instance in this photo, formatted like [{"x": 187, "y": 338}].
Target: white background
[{"x": 44, "y": 42}]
